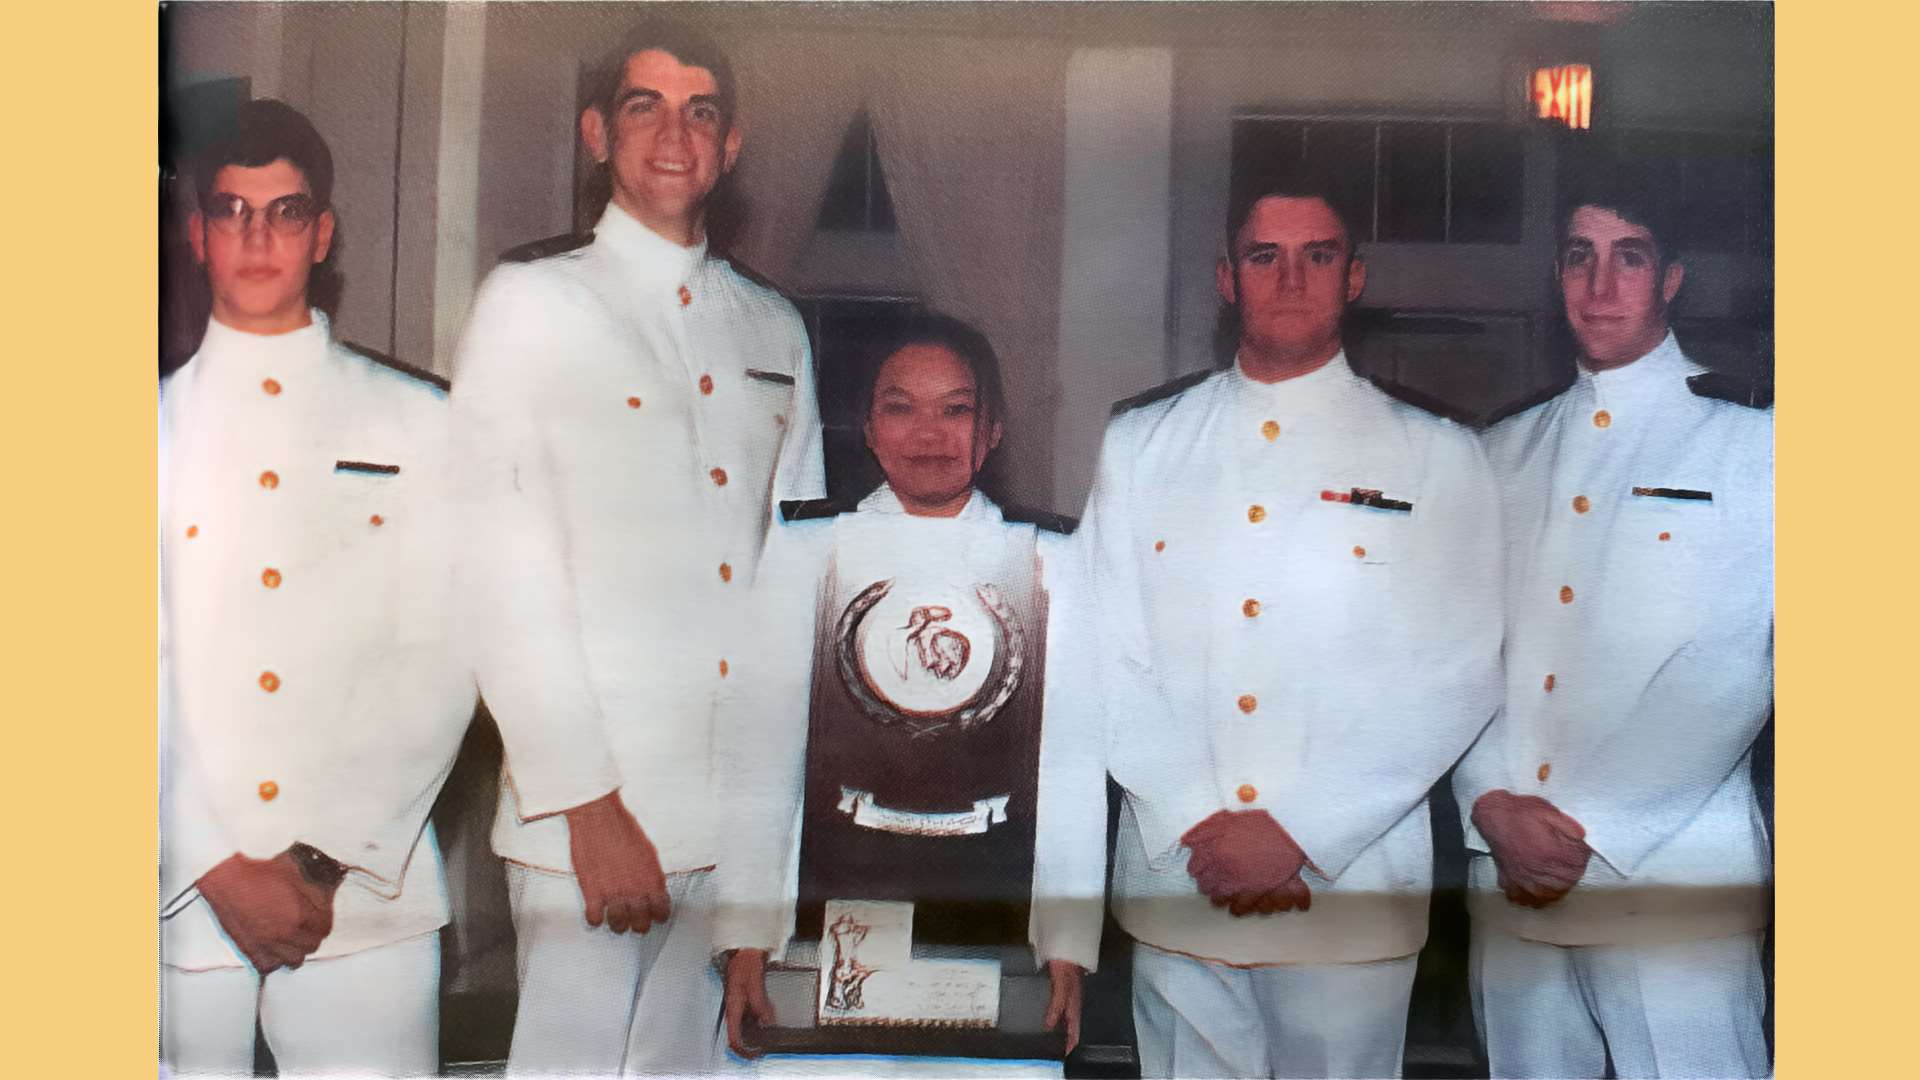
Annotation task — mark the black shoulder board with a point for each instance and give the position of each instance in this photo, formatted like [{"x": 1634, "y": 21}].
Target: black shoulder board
[
  {"x": 1546, "y": 394},
  {"x": 1164, "y": 391},
  {"x": 1424, "y": 401},
  {"x": 1754, "y": 393},
  {"x": 812, "y": 509},
  {"x": 552, "y": 245},
  {"x": 421, "y": 374},
  {"x": 1041, "y": 519}
]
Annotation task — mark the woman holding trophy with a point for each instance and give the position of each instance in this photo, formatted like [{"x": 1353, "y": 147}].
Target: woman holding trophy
[{"x": 915, "y": 772}]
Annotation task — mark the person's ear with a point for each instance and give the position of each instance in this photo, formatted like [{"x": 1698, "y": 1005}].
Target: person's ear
[
  {"x": 731, "y": 149},
  {"x": 323, "y": 236},
  {"x": 197, "y": 236},
  {"x": 593, "y": 132},
  {"x": 1223, "y": 281},
  {"x": 1670, "y": 282},
  {"x": 1356, "y": 277}
]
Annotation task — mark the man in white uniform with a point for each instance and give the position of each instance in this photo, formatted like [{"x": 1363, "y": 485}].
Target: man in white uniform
[
  {"x": 632, "y": 409},
  {"x": 311, "y": 705},
  {"x": 1620, "y": 858},
  {"x": 1297, "y": 580}
]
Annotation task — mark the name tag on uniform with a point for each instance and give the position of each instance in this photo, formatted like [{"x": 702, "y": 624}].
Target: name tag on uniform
[
  {"x": 1369, "y": 497},
  {"x": 1673, "y": 493},
  {"x": 366, "y": 468},
  {"x": 780, "y": 377}
]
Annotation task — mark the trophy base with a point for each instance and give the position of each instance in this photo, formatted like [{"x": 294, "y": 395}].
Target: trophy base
[{"x": 793, "y": 988}]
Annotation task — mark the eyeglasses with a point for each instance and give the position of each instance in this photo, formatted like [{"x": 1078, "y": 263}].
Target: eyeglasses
[{"x": 288, "y": 215}]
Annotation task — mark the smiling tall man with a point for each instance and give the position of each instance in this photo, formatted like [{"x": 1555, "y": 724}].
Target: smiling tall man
[
  {"x": 632, "y": 410},
  {"x": 1297, "y": 583},
  {"x": 1619, "y": 879}
]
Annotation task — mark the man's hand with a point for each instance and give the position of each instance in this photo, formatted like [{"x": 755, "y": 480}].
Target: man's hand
[
  {"x": 1064, "y": 997},
  {"x": 747, "y": 994},
  {"x": 1540, "y": 852},
  {"x": 1248, "y": 863},
  {"x": 273, "y": 914},
  {"x": 617, "y": 867}
]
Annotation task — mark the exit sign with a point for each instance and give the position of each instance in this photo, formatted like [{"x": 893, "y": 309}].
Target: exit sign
[{"x": 1563, "y": 93}]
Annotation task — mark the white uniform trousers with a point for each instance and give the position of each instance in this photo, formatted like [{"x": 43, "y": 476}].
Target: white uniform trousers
[
  {"x": 600, "y": 1003},
  {"x": 369, "y": 1013},
  {"x": 1197, "y": 1018},
  {"x": 1690, "y": 1008}
]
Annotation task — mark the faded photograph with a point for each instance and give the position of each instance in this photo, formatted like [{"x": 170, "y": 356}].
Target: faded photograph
[{"x": 884, "y": 539}]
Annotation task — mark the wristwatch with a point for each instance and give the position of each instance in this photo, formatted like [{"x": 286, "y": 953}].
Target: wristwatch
[{"x": 316, "y": 866}]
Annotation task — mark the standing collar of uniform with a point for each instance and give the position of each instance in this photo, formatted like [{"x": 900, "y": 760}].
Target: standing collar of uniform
[
  {"x": 1327, "y": 380},
  {"x": 884, "y": 501},
  {"x": 1665, "y": 367},
  {"x": 649, "y": 258},
  {"x": 223, "y": 345}
]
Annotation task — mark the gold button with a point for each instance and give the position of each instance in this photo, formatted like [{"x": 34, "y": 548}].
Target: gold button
[
  {"x": 1248, "y": 703},
  {"x": 270, "y": 578},
  {"x": 269, "y": 681},
  {"x": 726, "y": 572},
  {"x": 706, "y": 384},
  {"x": 376, "y": 520},
  {"x": 1566, "y": 594},
  {"x": 1602, "y": 418},
  {"x": 1250, "y": 607},
  {"x": 1247, "y": 793},
  {"x": 271, "y": 386},
  {"x": 1159, "y": 545},
  {"x": 1665, "y": 536},
  {"x": 268, "y": 790},
  {"x": 269, "y": 479},
  {"x": 780, "y": 419},
  {"x": 719, "y": 476},
  {"x": 1256, "y": 513},
  {"x": 723, "y": 668},
  {"x": 1581, "y": 505},
  {"x": 1546, "y": 770},
  {"x": 633, "y": 403},
  {"x": 1271, "y": 429},
  {"x": 686, "y": 296},
  {"x": 1549, "y": 682},
  {"x": 1359, "y": 552},
  {"x": 193, "y": 531}
]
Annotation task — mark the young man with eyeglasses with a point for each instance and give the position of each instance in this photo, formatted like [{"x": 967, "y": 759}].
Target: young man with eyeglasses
[
  {"x": 1620, "y": 858},
  {"x": 311, "y": 702},
  {"x": 631, "y": 409}
]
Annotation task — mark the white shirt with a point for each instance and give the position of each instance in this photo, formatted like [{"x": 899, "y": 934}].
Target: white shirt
[
  {"x": 1660, "y": 652},
  {"x": 765, "y": 731},
  {"x": 631, "y": 411},
  {"x": 1268, "y": 647},
  {"x": 309, "y": 689}
]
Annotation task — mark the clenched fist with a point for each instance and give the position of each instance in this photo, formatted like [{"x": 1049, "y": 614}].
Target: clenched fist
[
  {"x": 273, "y": 914},
  {"x": 1541, "y": 853},
  {"x": 1248, "y": 863},
  {"x": 617, "y": 867}
]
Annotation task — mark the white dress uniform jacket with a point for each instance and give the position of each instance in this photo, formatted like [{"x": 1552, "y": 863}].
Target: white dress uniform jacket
[
  {"x": 309, "y": 691},
  {"x": 765, "y": 718},
  {"x": 1639, "y": 653},
  {"x": 1268, "y": 646},
  {"x": 631, "y": 410}
]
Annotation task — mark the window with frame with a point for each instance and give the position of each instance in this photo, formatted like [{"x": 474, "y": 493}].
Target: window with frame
[
  {"x": 1396, "y": 180},
  {"x": 856, "y": 199}
]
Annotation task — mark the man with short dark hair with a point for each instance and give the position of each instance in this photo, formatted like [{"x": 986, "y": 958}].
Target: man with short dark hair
[
  {"x": 311, "y": 702},
  {"x": 632, "y": 409},
  {"x": 1297, "y": 594},
  {"x": 1620, "y": 857}
]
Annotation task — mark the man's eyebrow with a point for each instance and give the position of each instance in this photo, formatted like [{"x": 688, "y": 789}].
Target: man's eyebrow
[
  {"x": 705, "y": 99},
  {"x": 1258, "y": 248},
  {"x": 632, "y": 92},
  {"x": 1634, "y": 243},
  {"x": 1321, "y": 245}
]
